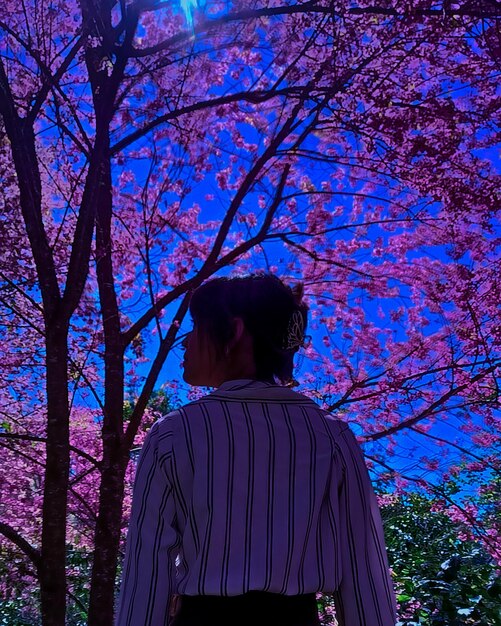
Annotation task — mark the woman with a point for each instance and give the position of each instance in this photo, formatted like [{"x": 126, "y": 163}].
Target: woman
[{"x": 250, "y": 500}]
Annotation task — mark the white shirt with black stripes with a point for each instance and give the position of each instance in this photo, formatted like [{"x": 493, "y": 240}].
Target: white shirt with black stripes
[{"x": 254, "y": 487}]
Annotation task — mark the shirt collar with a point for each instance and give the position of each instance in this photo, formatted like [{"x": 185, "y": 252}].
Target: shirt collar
[
  {"x": 244, "y": 383},
  {"x": 260, "y": 390}
]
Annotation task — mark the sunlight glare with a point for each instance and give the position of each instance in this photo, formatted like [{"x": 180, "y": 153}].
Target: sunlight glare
[{"x": 189, "y": 7}]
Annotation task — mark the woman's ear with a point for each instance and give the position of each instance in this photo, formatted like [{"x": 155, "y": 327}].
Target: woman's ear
[{"x": 238, "y": 332}]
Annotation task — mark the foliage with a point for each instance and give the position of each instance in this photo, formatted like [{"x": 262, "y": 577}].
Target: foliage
[{"x": 441, "y": 578}]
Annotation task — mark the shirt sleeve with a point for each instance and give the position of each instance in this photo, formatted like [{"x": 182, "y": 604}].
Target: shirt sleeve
[
  {"x": 365, "y": 596},
  {"x": 152, "y": 541}
]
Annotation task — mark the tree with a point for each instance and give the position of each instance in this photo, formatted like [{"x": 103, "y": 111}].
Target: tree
[
  {"x": 349, "y": 143},
  {"x": 19, "y": 595},
  {"x": 442, "y": 578}
]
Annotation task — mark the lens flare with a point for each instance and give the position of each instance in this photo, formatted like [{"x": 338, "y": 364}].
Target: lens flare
[{"x": 189, "y": 7}]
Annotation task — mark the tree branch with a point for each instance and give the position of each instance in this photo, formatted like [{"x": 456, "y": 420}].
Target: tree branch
[
  {"x": 18, "y": 436},
  {"x": 32, "y": 553},
  {"x": 316, "y": 257},
  {"x": 432, "y": 408},
  {"x": 479, "y": 529},
  {"x": 15, "y": 286},
  {"x": 253, "y": 97},
  {"x": 52, "y": 80},
  {"x": 453, "y": 445},
  {"x": 22, "y": 141},
  {"x": 151, "y": 379},
  {"x": 207, "y": 25}
]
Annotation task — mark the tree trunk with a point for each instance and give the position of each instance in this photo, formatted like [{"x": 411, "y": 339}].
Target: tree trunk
[
  {"x": 107, "y": 536},
  {"x": 114, "y": 462},
  {"x": 53, "y": 552}
]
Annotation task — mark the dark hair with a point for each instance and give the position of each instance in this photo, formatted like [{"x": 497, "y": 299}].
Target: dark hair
[{"x": 266, "y": 306}]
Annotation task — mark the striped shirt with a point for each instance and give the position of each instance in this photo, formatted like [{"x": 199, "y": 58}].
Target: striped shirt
[{"x": 254, "y": 487}]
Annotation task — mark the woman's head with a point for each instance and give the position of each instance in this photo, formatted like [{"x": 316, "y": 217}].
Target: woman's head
[{"x": 244, "y": 327}]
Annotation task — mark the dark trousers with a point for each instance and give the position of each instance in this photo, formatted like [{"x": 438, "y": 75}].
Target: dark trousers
[{"x": 255, "y": 607}]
